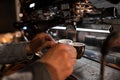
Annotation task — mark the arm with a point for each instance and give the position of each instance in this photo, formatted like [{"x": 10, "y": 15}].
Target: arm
[
  {"x": 56, "y": 64},
  {"x": 35, "y": 71},
  {"x": 13, "y": 52},
  {"x": 16, "y": 52}
]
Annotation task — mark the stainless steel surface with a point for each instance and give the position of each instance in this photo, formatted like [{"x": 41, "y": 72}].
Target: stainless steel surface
[{"x": 86, "y": 69}]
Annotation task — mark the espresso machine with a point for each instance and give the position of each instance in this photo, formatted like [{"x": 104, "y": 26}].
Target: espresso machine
[{"x": 55, "y": 13}]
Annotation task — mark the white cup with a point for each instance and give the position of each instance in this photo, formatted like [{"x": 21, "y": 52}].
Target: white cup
[
  {"x": 65, "y": 41},
  {"x": 80, "y": 48}
]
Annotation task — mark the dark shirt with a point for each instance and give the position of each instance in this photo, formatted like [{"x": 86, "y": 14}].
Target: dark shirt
[
  {"x": 34, "y": 71},
  {"x": 12, "y": 53},
  {"x": 15, "y": 52}
]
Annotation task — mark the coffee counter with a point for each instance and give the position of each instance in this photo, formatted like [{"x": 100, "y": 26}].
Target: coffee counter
[
  {"x": 112, "y": 59},
  {"x": 86, "y": 69}
]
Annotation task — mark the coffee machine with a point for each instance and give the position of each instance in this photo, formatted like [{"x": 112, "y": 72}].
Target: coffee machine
[{"x": 54, "y": 12}]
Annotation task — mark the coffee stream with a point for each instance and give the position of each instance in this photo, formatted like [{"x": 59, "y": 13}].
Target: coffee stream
[{"x": 112, "y": 41}]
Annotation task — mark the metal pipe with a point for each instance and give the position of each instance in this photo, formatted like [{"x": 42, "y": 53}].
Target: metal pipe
[{"x": 82, "y": 29}]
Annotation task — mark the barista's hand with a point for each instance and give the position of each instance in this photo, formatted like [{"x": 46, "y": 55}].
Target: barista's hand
[
  {"x": 39, "y": 42},
  {"x": 59, "y": 61}
]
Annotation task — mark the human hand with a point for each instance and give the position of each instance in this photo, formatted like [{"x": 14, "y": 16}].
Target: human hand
[
  {"x": 39, "y": 42},
  {"x": 59, "y": 60}
]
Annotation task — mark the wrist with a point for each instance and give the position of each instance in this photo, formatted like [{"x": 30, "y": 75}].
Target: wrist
[
  {"x": 53, "y": 72},
  {"x": 28, "y": 50},
  {"x": 29, "y": 53}
]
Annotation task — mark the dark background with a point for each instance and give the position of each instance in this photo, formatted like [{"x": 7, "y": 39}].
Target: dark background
[
  {"x": 8, "y": 12},
  {"x": 7, "y": 15}
]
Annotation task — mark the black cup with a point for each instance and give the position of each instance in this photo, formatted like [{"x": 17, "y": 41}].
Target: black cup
[{"x": 80, "y": 48}]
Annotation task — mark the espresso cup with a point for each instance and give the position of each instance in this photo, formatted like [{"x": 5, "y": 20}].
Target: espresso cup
[
  {"x": 65, "y": 41},
  {"x": 80, "y": 48}
]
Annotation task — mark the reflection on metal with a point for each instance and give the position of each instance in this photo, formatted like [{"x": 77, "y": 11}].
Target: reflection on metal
[{"x": 83, "y": 29}]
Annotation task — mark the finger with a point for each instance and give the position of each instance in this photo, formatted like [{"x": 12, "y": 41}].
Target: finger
[
  {"x": 73, "y": 61},
  {"x": 47, "y": 44},
  {"x": 73, "y": 53},
  {"x": 49, "y": 38},
  {"x": 43, "y": 36}
]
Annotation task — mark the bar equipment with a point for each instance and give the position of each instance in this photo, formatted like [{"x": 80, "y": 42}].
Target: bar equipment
[{"x": 66, "y": 13}]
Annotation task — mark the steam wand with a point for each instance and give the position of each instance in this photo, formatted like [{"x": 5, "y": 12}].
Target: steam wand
[{"x": 71, "y": 31}]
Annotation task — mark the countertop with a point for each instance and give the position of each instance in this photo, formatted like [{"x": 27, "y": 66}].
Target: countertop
[{"x": 86, "y": 69}]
